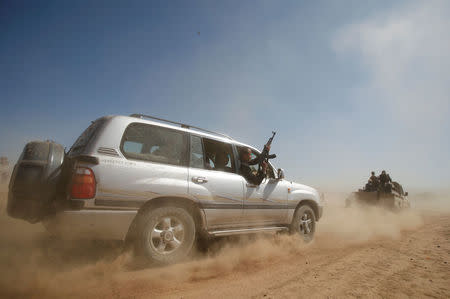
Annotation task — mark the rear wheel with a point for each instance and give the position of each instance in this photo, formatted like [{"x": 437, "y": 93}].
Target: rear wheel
[
  {"x": 304, "y": 223},
  {"x": 165, "y": 235}
]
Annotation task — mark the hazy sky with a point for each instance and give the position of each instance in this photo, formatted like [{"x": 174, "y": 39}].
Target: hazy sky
[{"x": 349, "y": 86}]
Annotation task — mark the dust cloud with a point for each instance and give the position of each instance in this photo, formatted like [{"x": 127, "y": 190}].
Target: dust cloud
[
  {"x": 36, "y": 266},
  {"x": 33, "y": 265},
  {"x": 364, "y": 223}
]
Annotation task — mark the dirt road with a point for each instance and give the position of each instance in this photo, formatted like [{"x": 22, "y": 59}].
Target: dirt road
[
  {"x": 415, "y": 265},
  {"x": 356, "y": 253}
]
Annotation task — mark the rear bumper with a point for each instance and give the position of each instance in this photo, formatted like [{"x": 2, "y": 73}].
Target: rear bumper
[{"x": 91, "y": 224}]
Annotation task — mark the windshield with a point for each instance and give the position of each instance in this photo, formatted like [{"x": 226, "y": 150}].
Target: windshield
[{"x": 82, "y": 141}]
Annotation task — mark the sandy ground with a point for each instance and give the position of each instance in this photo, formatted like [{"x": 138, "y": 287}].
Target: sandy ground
[{"x": 356, "y": 253}]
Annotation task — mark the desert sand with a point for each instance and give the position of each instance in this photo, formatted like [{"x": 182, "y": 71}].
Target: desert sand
[{"x": 356, "y": 253}]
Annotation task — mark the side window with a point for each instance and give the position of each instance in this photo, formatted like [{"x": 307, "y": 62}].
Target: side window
[
  {"x": 219, "y": 156},
  {"x": 155, "y": 144},
  {"x": 196, "y": 152},
  {"x": 132, "y": 147}
]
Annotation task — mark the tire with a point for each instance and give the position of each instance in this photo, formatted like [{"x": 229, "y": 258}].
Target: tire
[
  {"x": 165, "y": 235},
  {"x": 304, "y": 223}
]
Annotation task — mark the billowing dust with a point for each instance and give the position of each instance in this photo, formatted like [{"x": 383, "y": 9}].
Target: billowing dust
[
  {"x": 363, "y": 223},
  {"x": 34, "y": 265}
]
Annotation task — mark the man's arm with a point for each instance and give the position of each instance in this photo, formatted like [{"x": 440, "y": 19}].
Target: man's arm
[{"x": 247, "y": 173}]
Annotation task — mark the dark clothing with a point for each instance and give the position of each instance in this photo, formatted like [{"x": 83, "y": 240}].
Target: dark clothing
[
  {"x": 387, "y": 188},
  {"x": 385, "y": 178},
  {"x": 254, "y": 161},
  {"x": 247, "y": 173},
  {"x": 368, "y": 187},
  {"x": 374, "y": 178},
  {"x": 385, "y": 185},
  {"x": 374, "y": 182}
]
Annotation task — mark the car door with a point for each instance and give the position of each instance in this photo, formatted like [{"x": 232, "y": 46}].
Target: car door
[
  {"x": 218, "y": 188},
  {"x": 265, "y": 204}
]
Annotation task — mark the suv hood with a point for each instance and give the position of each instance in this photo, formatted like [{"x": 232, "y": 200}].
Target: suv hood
[{"x": 300, "y": 188}]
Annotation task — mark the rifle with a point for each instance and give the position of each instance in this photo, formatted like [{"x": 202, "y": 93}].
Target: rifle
[{"x": 264, "y": 157}]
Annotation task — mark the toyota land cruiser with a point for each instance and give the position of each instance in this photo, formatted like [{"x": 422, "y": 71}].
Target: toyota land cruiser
[{"x": 156, "y": 184}]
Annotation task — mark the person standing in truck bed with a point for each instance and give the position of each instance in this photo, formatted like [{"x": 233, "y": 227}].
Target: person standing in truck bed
[
  {"x": 374, "y": 182},
  {"x": 385, "y": 179}
]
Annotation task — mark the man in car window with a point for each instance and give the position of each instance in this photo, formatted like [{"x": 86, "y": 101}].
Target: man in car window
[{"x": 246, "y": 171}]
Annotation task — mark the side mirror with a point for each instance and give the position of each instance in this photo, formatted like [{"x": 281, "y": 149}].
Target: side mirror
[
  {"x": 280, "y": 174},
  {"x": 406, "y": 193}
]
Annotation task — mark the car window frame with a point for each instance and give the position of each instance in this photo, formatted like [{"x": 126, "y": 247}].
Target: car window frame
[{"x": 203, "y": 152}]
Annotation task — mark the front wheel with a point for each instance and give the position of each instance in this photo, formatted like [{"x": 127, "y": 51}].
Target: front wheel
[
  {"x": 165, "y": 235},
  {"x": 304, "y": 223}
]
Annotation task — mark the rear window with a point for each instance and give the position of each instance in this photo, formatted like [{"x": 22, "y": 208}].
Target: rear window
[
  {"x": 82, "y": 141},
  {"x": 155, "y": 144}
]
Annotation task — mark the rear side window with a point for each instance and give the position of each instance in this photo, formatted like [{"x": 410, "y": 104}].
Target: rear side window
[
  {"x": 82, "y": 141},
  {"x": 155, "y": 144},
  {"x": 218, "y": 156}
]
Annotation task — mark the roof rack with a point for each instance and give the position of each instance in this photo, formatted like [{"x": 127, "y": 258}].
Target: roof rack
[{"x": 185, "y": 126}]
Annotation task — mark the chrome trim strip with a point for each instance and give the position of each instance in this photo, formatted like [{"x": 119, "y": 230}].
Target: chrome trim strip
[
  {"x": 119, "y": 203},
  {"x": 204, "y": 205},
  {"x": 207, "y": 205},
  {"x": 247, "y": 231}
]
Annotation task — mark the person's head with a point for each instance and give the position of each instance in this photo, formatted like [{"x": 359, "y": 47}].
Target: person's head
[
  {"x": 373, "y": 172},
  {"x": 383, "y": 172},
  {"x": 246, "y": 154}
]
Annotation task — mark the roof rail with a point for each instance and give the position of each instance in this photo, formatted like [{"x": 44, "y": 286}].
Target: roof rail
[{"x": 180, "y": 124}]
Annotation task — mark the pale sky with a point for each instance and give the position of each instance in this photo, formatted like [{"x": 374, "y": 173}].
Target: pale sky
[{"x": 349, "y": 86}]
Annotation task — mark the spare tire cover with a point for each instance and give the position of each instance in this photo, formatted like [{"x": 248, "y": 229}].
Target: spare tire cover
[{"x": 33, "y": 183}]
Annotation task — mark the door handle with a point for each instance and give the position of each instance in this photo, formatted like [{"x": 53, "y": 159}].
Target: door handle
[{"x": 199, "y": 179}]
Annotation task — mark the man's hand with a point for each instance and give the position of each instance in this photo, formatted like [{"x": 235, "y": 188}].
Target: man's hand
[
  {"x": 267, "y": 146},
  {"x": 264, "y": 166}
]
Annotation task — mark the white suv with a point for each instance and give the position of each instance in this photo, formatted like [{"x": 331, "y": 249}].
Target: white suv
[{"x": 157, "y": 184}]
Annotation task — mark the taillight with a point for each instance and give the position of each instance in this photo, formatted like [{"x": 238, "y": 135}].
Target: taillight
[{"x": 83, "y": 184}]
